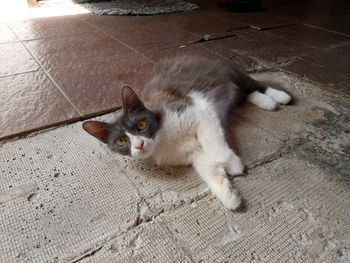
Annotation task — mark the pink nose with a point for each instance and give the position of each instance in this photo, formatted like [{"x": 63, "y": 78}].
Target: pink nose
[{"x": 140, "y": 145}]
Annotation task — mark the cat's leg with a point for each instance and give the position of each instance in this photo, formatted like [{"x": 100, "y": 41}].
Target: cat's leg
[
  {"x": 279, "y": 96},
  {"x": 215, "y": 177},
  {"x": 211, "y": 137}
]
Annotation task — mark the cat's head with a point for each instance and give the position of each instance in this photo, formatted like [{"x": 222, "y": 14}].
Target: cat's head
[{"x": 133, "y": 132}]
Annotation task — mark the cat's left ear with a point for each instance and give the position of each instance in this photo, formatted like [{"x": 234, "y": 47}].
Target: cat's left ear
[
  {"x": 130, "y": 100},
  {"x": 98, "y": 129}
]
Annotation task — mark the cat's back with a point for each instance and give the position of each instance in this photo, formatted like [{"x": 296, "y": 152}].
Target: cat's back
[{"x": 175, "y": 78}]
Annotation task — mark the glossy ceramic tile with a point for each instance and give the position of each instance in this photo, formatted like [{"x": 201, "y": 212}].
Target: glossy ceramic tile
[
  {"x": 240, "y": 62},
  {"x": 6, "y": 35},
  {"x": 259, "y": 45},
  {"x": 340, "y": 25},
  {"x": 112, "y": 22},
  {"x": 94, "y": 87},
  {"x": 189, "y": 50},
  {"x": 201, "y": 23},
  {"x": 75, "y": 50},
  {"x": 157, "y": 37},
  {"x": 259, "y": 20},
  {"x": 330, "y": 67},
  {"x": 311, "y": 37},
  {"x": 14, "y": 59},
  {"x": 29, "y": 101},
  {"x": 50, "y": 27}
]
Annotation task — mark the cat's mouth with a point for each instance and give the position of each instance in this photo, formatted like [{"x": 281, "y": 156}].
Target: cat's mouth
[{"x": 144, "y": 153}]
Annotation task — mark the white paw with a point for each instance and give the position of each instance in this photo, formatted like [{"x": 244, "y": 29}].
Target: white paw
[
  {"x": 268, "y": 104},
  {"x": 279, "y": 96},
  {"x": 262, "y": 101},
  {"x": 231, "y": 200},
  {"x": 234, "y": 165}
]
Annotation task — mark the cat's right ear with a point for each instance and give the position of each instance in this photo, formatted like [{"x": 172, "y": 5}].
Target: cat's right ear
[
  {"x": 130, "y": 100},
  {"x": 98, "y": 129}
]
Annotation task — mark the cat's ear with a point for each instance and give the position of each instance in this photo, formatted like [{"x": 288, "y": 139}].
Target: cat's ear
[
  {"x": 98, "y": 129},
  {"x": 130, "y": 100}
]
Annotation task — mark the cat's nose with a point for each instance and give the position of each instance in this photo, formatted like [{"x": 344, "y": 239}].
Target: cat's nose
[{"x": 140, "y": 146}]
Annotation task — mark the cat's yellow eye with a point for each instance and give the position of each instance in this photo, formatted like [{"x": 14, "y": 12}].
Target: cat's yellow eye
[
  {"x": 141, "y": 125},
  {"x": 120, "y": 142}
]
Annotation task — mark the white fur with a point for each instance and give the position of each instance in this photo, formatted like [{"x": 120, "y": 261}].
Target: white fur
[
  {"x": 279, "y": 96},
  {"x": 196, "y": 137},
  {"x": 135, "y": 141},
  {"x": 262, "y": 101}
]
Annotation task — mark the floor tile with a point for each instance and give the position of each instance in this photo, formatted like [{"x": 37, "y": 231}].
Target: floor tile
[
  {"x": 201, "y": 24},
  {"x": 243, "y": 63},
  {"x": 258, "y": 45},
  {"x": 15, "y": 59},
  {"x": 259, "y": 20},
  {"x": 192, "y": 50},
  {"x": 94, "y": 86},
  {"x": 6, "y": 35},
  {"x": 157, "y": 37},
  {"x": 327, "y": 8},
  {"x": 335, "y": 8},
  {"x": 75, "y": 50},
  {"x": 330, "y": 67},
  {"x": 110, "y": 22},
  {"x": 240, "y": 62},
  {"x": 30, "y": 101},
  {"x": 50, "y": 27},
  {"x": 340, "y": 25},
  {"x": 310, "y": 36}
]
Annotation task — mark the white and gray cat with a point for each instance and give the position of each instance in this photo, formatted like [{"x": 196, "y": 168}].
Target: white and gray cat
[{"x": 181, "y": 116}]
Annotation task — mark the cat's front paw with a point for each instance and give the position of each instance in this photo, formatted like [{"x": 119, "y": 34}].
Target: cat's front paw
[
  {"x": 234, "y": 165},
  {"x": 232, "y": 200}
]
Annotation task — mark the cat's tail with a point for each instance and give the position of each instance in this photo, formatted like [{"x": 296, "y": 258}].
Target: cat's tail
[{"x": 260, "y": 95}]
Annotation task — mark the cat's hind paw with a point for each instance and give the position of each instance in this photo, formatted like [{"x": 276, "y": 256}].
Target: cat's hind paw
[
  {"x": 262, "y": 101},
  {"x": 279, "y": 96}
]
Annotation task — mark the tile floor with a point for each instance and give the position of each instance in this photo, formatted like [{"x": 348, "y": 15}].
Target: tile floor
[{"x": 60, "y": 69}]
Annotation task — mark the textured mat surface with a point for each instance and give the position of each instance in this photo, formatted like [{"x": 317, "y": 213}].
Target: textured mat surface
[
  {"x": 139, "y": 7},
  {"x": 64, "y": 198}
]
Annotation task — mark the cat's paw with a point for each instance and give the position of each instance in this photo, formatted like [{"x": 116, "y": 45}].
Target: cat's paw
[
  {"x": 279, "y": 96},
  {"x": 234, "y": 165},
  {"x": 262, "y": 101},
  {"x": 231, "y": 200}
]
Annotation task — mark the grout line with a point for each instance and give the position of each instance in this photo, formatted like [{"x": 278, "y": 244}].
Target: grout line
[
  {"x": 50, "y": 77},
  {"x": 325, "y": 29},
  {"x": 115, "y": 39},
  {"x": 34, "y": 131},
  {"x": 55, "y": 37},
  {"x": 273, "y": 27},
  {"x": 336, "y": 46},
  {"x": 20, "y": 73}
]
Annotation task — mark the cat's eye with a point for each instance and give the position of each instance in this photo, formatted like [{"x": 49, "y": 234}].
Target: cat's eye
[
  {"x": 141, "y": 125},
  {"x": 120, "y": 142}
]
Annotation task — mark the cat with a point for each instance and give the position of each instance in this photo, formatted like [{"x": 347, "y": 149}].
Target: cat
[{"x": 181, "y": 117}]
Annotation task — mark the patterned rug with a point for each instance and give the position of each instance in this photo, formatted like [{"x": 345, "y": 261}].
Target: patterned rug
[{"x": 138, "y": 7}]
